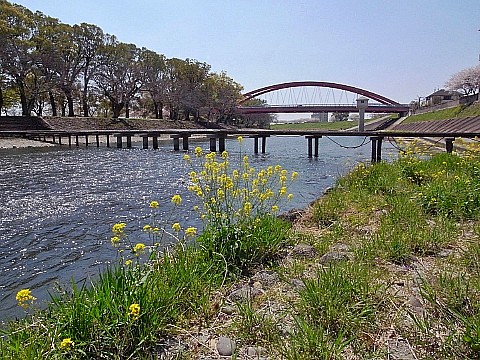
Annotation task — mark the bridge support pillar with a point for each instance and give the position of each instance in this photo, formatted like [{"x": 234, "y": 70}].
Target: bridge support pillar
[
  {"x": 176, "y": 142},
  {"x": 155, "y": 142},
  {"x": 119, "y": 141},
  {"x": 255, "y": 143},
  {"x": 97, "y": 139},
  {"x": 313, "y": 145},
  {"x": 144, "y": 141},
  {"x": 449, "y": 144},
  {"x": 108, "y": 140},
  {"x": 376, "y": 148},
  {"x": 185, "y": 142}
]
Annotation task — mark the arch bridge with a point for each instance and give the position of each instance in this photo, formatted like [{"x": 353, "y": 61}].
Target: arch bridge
[{"x": 315, "y": 97}]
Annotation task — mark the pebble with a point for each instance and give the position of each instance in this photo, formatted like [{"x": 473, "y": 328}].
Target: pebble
[{"x": 225, "y": 346}]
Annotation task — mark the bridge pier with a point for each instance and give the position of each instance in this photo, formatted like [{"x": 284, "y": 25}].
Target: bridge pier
[
  {"x": 255, "y": 143},
  {"x": 449, "y": 145},
  {"x": 312, "y": 140},
  {"x": 176, "y": 141},
  {"x": 221, "y": 142},
  {"x": 376, "y": 148}
]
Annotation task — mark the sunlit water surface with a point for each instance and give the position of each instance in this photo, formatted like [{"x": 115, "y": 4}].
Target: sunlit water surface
[{"x": 58, "y": 204}]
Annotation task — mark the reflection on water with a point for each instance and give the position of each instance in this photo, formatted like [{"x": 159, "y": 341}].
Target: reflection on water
[{"x": 58, "y": 204}]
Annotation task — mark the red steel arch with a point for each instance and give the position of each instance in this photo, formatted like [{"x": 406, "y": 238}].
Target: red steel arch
[{"x": 381, "y": 99}]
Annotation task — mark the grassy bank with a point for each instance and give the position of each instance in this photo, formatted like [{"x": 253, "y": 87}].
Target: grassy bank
[
  {"x": 339, "y": 125},
  {"x": 450, "y": 113},
  {"x": 383, "y": 266}
]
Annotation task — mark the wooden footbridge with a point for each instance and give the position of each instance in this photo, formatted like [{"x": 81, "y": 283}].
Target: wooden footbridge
[{"x": 123, "y": 139}]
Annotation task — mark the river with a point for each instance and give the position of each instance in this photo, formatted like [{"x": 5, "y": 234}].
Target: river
[{"x": 58, "y": 204}]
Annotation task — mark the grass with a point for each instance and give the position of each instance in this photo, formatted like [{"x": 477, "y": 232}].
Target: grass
[
  {"x": 459, "y": 111},
  {"x": 409, "y": 234},
  {"x": 339, "y": 125}
]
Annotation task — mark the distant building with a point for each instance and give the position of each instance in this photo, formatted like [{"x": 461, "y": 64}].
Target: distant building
[
  {"x": 441, "y": 96},
  {"x": 320, "y": 117}
]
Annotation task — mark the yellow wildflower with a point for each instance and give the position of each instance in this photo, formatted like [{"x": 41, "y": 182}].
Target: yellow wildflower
[
  {"x": 67, "y": 344},
  {"x": 176, "y": 227},
  {"x": 118, "y": 228},
  {"x": 23, "y": 296},
  {"x": 128, "y": 262},
  {"x": 224, "y": 154},
  {"x": 139, "y": 248},
  {"x": 191, "y": 231},
  {"x": 294, "y": 175},
  {"x": 290, "y": 196},
  {"x": 154, "y": 204},
  {"x": 115, "y": 240},
  {"x": 147, "y": 228},
  {"x": 247, "y": 207},
  {"x": 240, "y": 139},
  {"x": 134, "y": 311},
  {"x": 186, "y": 157},
  {"x": 198, "y": 151},
  {"x": 177, "y": 199},
  {"x": 274, "y": 208}
]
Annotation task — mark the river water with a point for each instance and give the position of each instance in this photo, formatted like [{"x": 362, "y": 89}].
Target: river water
[{"x": 58, "y": 204}]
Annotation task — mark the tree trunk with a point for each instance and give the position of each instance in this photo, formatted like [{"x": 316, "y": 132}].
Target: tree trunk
[
  {"x": 1, "y": 101},
  {"x": 127, "y": 109},
  {"x": 53, "y": 105},
  {"x": 117, "y": 109},
  {"x": 71, "y": 112}
]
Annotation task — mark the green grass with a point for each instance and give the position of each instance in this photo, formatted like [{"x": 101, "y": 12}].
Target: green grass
[
  {"x": 339, "y": 125},
  {"x": 411, "y": 228},
  {"x": 443, "y": 114}
]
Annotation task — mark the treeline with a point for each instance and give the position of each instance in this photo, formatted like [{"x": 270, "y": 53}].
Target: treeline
[{"x": 51, "y": 68}]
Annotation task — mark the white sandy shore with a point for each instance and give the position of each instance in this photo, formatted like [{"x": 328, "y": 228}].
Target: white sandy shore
[{"x": 17, "y": 143}]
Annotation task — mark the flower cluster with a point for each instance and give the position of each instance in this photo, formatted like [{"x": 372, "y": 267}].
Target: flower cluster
[
  {"x": 67, "y": 344},
  {"x": 134, "y": 311},
  {"x": 24, "y": 297},
  {"x": 236, "y": 195}
]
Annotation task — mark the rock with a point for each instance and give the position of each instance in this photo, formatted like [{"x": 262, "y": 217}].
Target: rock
[
  {"x": 291, "y": 215},
  {"x": 416, "y": 305},
  {"x": 229, "y": 310},
  {"x": 399, "y": 349},
  {"x": 225, "y": 346},
  {"x": 304, "y": 251},
  {"x": 333, "y": 257},
  {"x": 297, "y": 284},
  {"x": 244, "y": 293},
  {"x": 266, "y": 278},
  {"x": 256, "y": 351}
]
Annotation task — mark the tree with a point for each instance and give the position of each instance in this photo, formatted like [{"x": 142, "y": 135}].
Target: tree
[
  {"x": 154, "y": 67},
  {"x": 222, "y": 97},
  {"x": 340, "y": 116},
  {"x": 466, "y": 80},
  {"x": 90, "y": 38},
  {"x": 18, "y": 59},
  {"x": 119, "y": 74}
]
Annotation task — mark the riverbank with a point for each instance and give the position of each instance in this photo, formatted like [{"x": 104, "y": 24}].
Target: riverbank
[
  {"x": 20, "y": 143},
  {"x": 385, "y": 265}
]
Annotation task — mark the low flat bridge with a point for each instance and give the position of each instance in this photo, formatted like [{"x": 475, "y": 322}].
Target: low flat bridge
[
  {"x": 124, "y": 138},
  {"x": 315, "y": 97}
]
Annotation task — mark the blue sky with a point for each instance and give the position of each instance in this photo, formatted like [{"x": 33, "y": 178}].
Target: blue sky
[{"x": 398, "y": 48}]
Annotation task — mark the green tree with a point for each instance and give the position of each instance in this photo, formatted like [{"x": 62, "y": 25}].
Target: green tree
[
  {"x": 18, "y": 59},
  {"x": 119, "y": 74},
  {"x": 222, "y": 97},
  {"x": 154, "y": 67}
]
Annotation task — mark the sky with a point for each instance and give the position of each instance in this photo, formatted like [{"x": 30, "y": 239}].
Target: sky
[{"x": 401, "y": 49}]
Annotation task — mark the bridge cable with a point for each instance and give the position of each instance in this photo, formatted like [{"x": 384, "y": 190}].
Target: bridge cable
[{"x": 349, "y": 147}]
